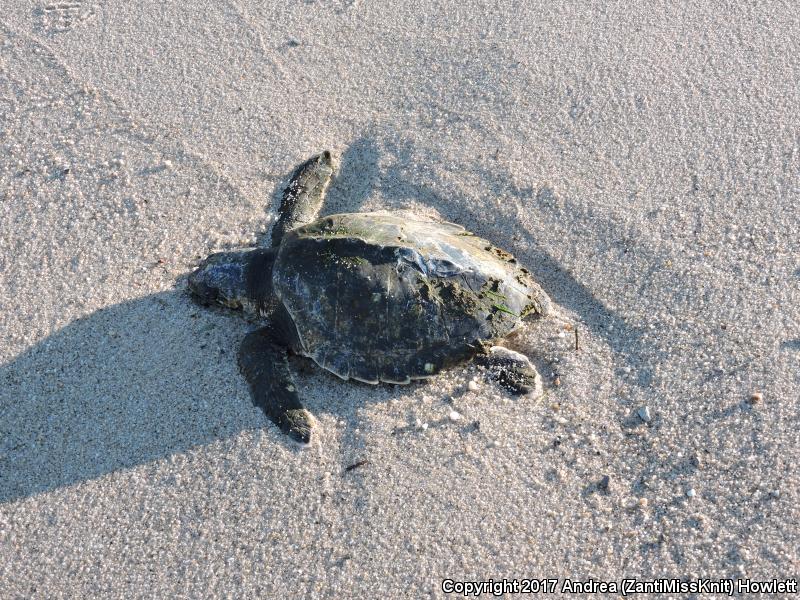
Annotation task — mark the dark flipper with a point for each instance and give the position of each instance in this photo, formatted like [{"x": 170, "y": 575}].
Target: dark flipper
[
  {"x": 303, "y": 197},
  {"x": 512, "y": 370},
  {"x": 263, "y": 361}
]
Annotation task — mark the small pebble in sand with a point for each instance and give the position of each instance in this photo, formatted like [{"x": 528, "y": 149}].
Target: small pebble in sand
[
  {"x": 167, "y": 164},
  {"x": 454, "y": 416},
  {"x": 605, "y": 483},
  {"x": 473, "y": 386},
  {"x": 644, "y": 414},
  {"x": 756, "y": 398},
  {"x": 631, "y": 503},
  {"x": 691, "y": 493}
]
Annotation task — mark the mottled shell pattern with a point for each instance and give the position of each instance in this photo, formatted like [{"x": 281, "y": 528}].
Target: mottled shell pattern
[{"x": 389, "y": 297}]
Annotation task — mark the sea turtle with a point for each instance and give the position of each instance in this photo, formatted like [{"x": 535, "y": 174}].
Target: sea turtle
[{"x": 376, "y": 297}]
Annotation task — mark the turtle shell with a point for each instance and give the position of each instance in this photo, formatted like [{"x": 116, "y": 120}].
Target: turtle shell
[{"x": 390, "y": 297}]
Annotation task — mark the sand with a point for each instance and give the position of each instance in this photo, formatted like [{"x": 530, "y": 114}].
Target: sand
[{"x": 642, "y": 159}]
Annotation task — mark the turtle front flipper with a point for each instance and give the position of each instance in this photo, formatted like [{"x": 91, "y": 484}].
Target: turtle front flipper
[
  {"x": 303, "y": 197},
  {"x": 264, "y": 363}
]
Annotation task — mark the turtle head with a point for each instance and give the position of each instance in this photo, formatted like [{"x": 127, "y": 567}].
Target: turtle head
[{"x": 221, "y": 279}]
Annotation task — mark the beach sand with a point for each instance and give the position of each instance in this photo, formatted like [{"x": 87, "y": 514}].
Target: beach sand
[{"x": 641, "y": 159}]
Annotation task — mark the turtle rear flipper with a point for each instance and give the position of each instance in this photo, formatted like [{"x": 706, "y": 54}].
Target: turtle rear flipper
[
  {"x": 264, "y": 363},
  {"x": 512, "y": 370},
  {"x": 303, "y": 197}
]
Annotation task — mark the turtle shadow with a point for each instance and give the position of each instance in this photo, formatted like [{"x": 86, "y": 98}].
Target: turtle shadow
[
  {"x": 129, "y": 384},
  {"x": 358, "y": 176},
  {"x": 138, "y": 382},
  {"x": 790, "y": 344}
]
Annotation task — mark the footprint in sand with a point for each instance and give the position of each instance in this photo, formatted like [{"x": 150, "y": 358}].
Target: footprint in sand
[{"x": 61, "y": 17}]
